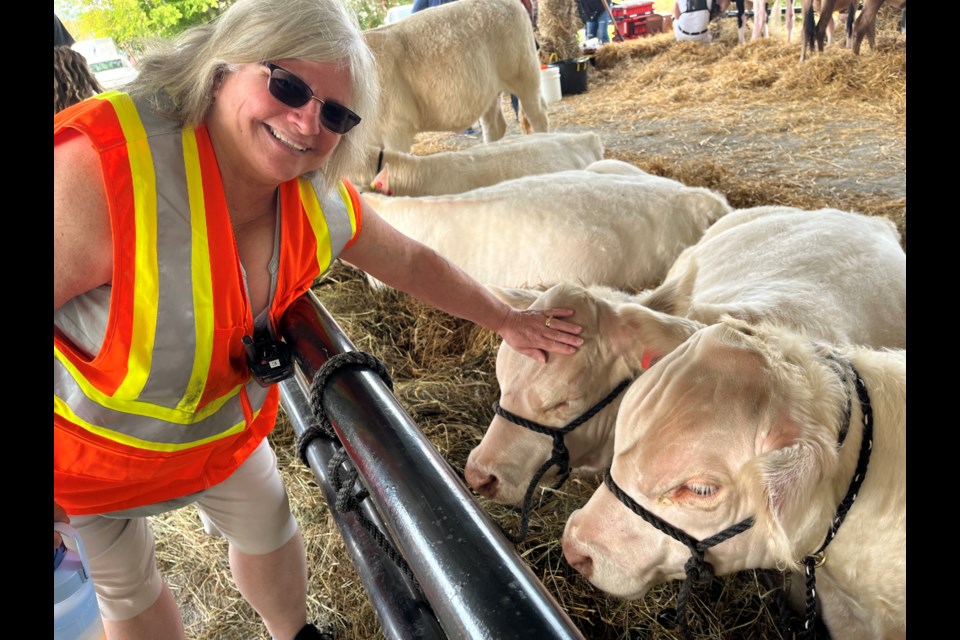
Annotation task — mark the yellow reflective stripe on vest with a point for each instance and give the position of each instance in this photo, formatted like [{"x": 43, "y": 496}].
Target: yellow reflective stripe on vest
[
  {"x": 308, "y": 196},
  {"x": 151, "y": 426},
  {"x": 145, "y": 205},
  {"x": 202, "y": 279}
]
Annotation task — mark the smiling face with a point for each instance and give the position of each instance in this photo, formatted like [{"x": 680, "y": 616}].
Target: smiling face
[{"x": 260, "y": 141}]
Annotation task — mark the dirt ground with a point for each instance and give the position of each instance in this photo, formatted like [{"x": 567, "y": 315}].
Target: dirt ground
[{"x": 747, "y": 120}]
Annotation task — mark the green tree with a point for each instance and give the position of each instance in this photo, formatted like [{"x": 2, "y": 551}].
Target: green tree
[{"x": 127, "y": 21}]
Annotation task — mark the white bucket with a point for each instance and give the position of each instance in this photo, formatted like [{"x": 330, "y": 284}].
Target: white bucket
[
  {"x": 76, "y": 615},
  {"x": 550, "y": 84}
]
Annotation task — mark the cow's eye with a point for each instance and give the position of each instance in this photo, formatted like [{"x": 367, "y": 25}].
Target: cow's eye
[
  {"x": 560, "y": 406},
  {"x": 702, "y": 489}
]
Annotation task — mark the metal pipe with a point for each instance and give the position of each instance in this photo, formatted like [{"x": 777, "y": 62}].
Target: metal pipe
[
  {"x": 468, "y": 571},
  {"x": 401, "y": 609}
]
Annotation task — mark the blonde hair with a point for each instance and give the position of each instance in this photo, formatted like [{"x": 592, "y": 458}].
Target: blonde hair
[
  {"x": 72, "y": 79},
  {"x": 178, "y": 76}
]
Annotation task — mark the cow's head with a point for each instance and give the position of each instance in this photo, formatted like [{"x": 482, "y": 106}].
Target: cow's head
[
  {"x": 720, "y": 431},
  {"x": 619, "y": 336}
]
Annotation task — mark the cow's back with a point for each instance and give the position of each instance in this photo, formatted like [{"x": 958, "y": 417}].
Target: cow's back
[
  {"x": 837, "y": 275},
  {"x": 570, "y": 226}
]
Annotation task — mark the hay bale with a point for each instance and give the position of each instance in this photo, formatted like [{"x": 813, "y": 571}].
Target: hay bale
[{"x": 558, "y": 22}]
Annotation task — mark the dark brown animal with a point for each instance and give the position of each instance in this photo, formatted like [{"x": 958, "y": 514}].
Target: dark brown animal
[{"x": 864, "y": 26}]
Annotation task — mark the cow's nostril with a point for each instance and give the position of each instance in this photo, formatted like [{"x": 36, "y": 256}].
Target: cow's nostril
[
  {"x": 485, "y": 484},
  {"x": 488, "y": 486},
  {"x": 583, "y": 565},
  {"x": 581, "y": 562}
]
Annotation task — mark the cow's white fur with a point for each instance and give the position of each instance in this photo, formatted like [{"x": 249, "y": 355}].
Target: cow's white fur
[
  {"x": 621, "y": 230},
  {"x": 836, "y": 275},
  {"x": 443, "y": 69},
  {"x": 743, "y": 420},
  {"x": 405, "y": 174}
]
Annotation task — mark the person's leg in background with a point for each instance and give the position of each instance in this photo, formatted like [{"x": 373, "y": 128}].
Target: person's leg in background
[
  {"x": 590, "y": 28},
  {"x": 603, "y": 27}
]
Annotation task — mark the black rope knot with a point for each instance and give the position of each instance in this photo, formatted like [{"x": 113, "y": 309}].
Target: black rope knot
[
  {"x": 698, "y": 570},
  {"x": 346, "y": 500},
  {"x": 322, "y": 427}
]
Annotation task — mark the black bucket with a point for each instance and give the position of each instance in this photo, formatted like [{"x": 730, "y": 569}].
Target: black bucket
[{"x": 573, "y": 75}]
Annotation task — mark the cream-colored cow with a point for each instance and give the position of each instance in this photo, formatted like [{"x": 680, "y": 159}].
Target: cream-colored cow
[
  {"x": 837, "y": 275},
  {"x": 753, "y": 446},
  {"x": 610, "y": 224}
]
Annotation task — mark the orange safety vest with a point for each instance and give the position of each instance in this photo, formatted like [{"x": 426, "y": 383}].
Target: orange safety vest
[{"x": 168, "y": 407}]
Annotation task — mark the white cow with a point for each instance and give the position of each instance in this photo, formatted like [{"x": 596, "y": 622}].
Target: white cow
[
  {"x": 761, "y": 434},
  {"x": 399, "y": 173},
  {"x": 618, "y": 229},
  {"x": 442, "y": 69},
  {"x": 837, "y": 275}
]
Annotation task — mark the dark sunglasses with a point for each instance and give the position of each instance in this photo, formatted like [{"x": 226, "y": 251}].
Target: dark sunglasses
[{"x": 294, "y": 92}]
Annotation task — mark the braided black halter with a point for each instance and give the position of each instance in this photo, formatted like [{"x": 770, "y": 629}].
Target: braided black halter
[
  {"x": 701, "y": 572},
  {"x": 559, "y": 455},
  {"x": 697, "y": 569},
  {"x": 818, "y": 557}
]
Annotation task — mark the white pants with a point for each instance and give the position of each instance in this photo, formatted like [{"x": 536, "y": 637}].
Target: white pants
[{"x": 250, "y": 509}]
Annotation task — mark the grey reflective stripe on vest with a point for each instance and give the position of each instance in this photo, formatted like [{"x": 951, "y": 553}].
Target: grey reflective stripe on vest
[
  {"x": 337, "y": 217},
  {"x": 153, "y": 417},
  {"x": 176, "y": 316},
  {"x": 154, "y": 430}
]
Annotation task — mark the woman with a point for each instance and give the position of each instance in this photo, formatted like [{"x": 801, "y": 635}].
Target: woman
[{"x": 188, "y": 215}]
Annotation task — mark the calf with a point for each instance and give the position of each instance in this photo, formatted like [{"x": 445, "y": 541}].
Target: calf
[
  {"x": 442, "y": 69},
  {"x": 402, "y": 174},
  {"x": 617, "y": 229},
  {"x": 837, "y": 275},
  {"x": 753, "y": 446}
]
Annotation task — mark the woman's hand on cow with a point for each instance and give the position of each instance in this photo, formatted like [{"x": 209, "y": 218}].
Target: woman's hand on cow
[{"x": 534, "y": 332}]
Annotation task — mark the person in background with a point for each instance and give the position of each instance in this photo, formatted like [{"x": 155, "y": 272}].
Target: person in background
[
  {"x": 691, "y": 18},
  {"x": 420, "y": 5},
  {"x": 596, "y": 20},
  {"x": 72, "y": 78},
  {"x": 190, "y": 211}
]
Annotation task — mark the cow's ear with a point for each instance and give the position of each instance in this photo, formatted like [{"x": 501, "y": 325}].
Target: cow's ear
[
  {"x": 647, "y": 335},
  {"x": 516, "y": 298},
  {"x": 787, "y": 474},
  {"x": 674, "y": 295},
  {"x": 381, "y": 183}
]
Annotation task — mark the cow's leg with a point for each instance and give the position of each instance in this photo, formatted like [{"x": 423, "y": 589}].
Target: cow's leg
[
  {"x": 789, "y": 20},
  {"x": 494, "y": 126},
  {"x": 759, "y": 19},
  {"x": 399, "y": 139},
  {"x": 808, "y": 28},
  {"x": 534, "y": 108},
  {"x": 741, "y": 21},
  {"x": 849, "y": 23},
  {"x": 865, "y": 25}
]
